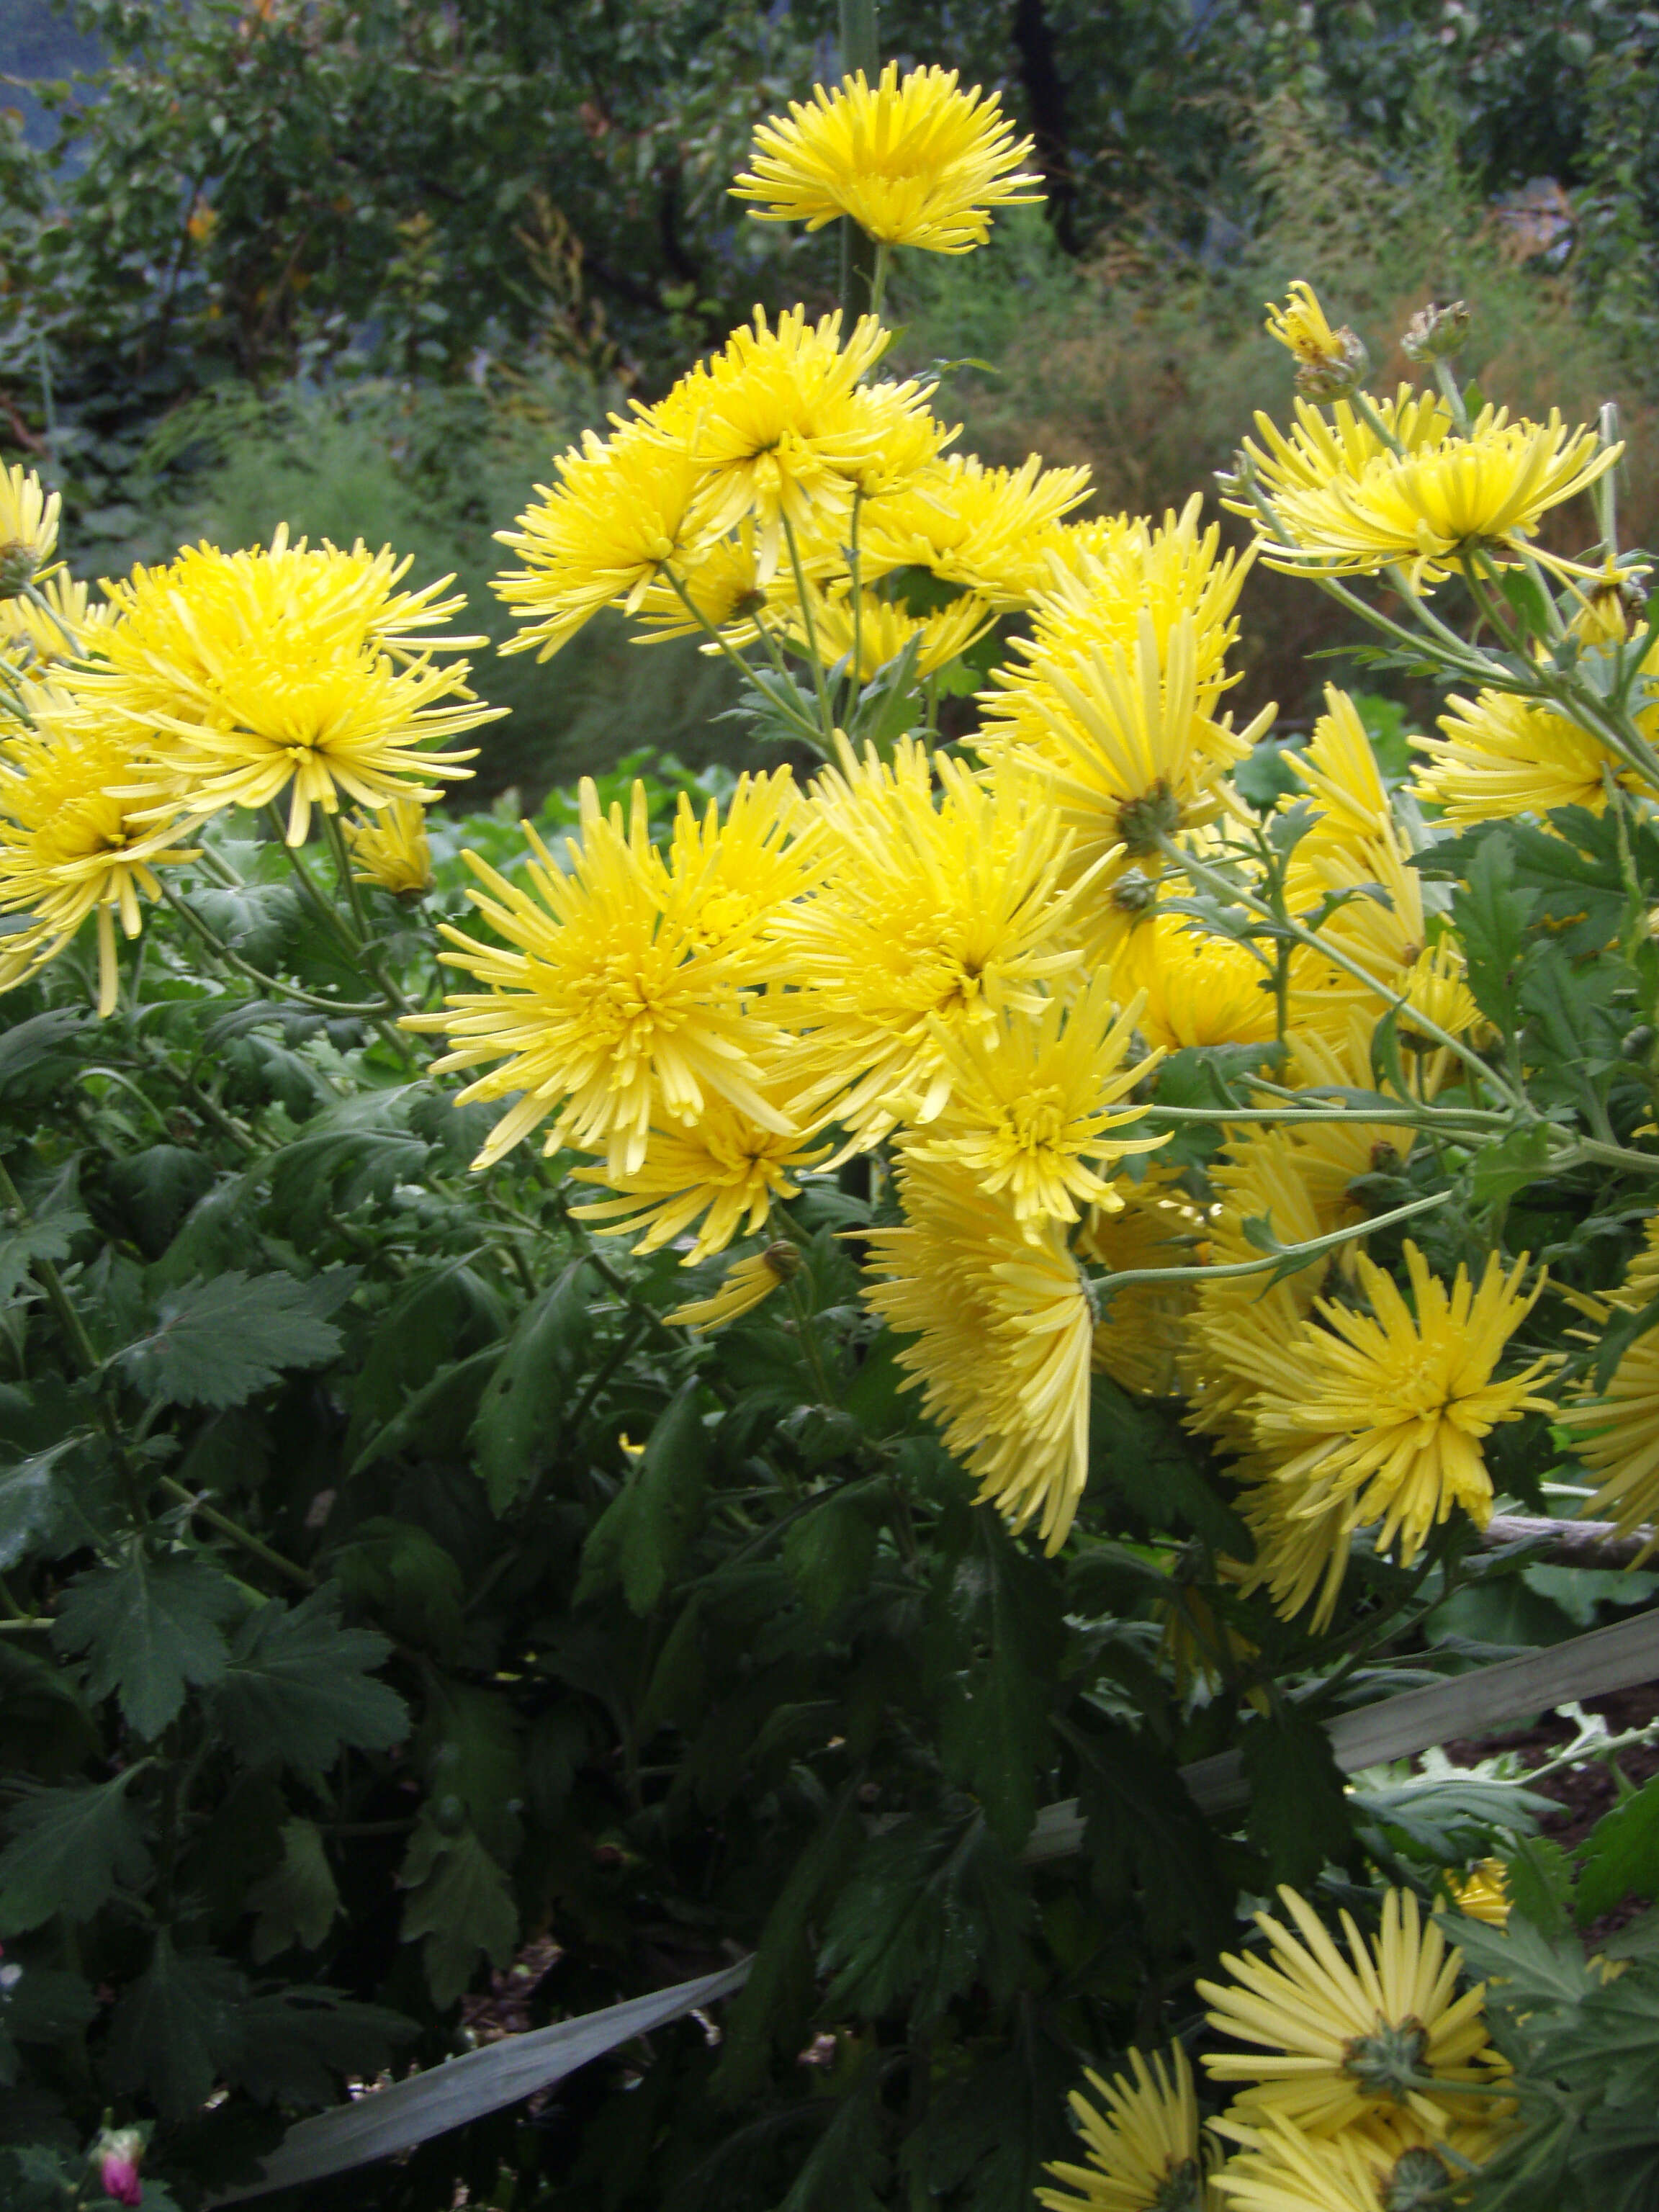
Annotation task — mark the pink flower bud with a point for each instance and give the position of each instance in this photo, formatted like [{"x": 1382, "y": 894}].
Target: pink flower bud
[{"x": 119, "y": 2175}]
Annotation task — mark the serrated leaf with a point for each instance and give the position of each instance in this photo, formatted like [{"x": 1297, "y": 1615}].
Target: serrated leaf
[
  {"x": 1146, "y": 1839},
  {"x": 292, "y": 2046},
  {"x": 218, "y": 1343},
  {"x": 46, "y": 2005},
  {"x": 641, "y": 1536},
  {"x": 151, "y": 1628},
  {"x": 298, "y": 1903},
  {"x": 468, "y": 1744},
  {"x": 829, "y": 1552},
  {"x": 298, "y": 1687},
  {"x": 1300, "y": 1817},
  {"x": 1141, "y": 1452},
  {"x": 517, "y": 1422},
  {"x": 1620, "y": 1856},
  {"x": 405, "y": 1579},
  {"x": 38, "y": 1509},
  {"x": 995, "y": 1650},
  {"x": 931, "y": 1907},
  {"x": 48, "y": 1237},
  {"x": 1499, "y": 1171},
  {"x": 70, "y": 1850},
  {"x": 37, "y": 1045},
  {"x": 170, "y": 2027},
  {"x": 460, "y": 1908}
]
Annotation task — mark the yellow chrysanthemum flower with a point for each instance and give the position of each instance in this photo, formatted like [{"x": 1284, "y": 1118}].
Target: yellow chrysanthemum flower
[
  {"x": 1425, "y": 509},
  {"x": 1030, "y": 1109},
  {"x": 878, "y": 630},
  {"x": 1301, "y": 1552},
  {"x": 777, "y": 428},
  {"x": 393, "y": 849},
  {"x": 1339, "y": 773},
  {"x": 28, "y": 528},
  {"x": 930, "y": 922},
  {"x": 623, "y": 510},
  {"x": 623, "y": 997},
  {"x": 1144, "y": 2151},
  {"x": 70, "y": 844},
  {"x": 1501, "y": 757},
  {"x": 1344, "y": 2041},
  {"x": 1105, "y": 573},
  {"x": 1388, "y": 1408},
  {"x": 299, "y": 670},
  {"x": 1616, "y": 1432},
  {"x": 34, "y": 637},
  {"x": 1197, "y": 989},
  {"x": 914, "y": 162},
  {"x": 1321, "y": 450},
  {"x": 1304, "y": 328},
  {"x": 1139, "y": 1335},
  {"x": 984, "y": 529},
  {"x": 1483, "y": 1894},
  {"x": 724, "y": 1170},
  {"x": 1003, "y": 1329},
  {"x": 1387, "y": 937},
  {"x": 1123, "y": 733},
  {"x": 744, "y": 1286},
  {"x": 1385, "y": 2165}
]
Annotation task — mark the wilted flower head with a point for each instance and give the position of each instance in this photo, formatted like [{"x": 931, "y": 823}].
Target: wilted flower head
[{"x": 1328, "y": 363}]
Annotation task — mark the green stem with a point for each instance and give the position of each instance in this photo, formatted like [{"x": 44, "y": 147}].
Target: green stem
[
  {"x": 820, "y": 683},
  {"x": 46, "y": 1273},
  {"x": 808, "y": 728},
  {"x": 234, "y": 961},
  {"x": 1452, "y": 395},
  {"x": 255, "y": 1546},
  {"x": 350, "y": 890},
  {"x": 1111, "y": 1283}
]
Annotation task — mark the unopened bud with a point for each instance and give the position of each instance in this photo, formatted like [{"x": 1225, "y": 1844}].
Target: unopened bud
[
  {"x": 116, "y": 2154},
  {"x": 18, "y": 563},
  {"x": 1435, "y": 333},
  {"x": 1134, "y": 893},
  {"x": 783, "y": 1260},
  {"x": 1336, "y": 374},
  {"x": 1142, "y": 822}
]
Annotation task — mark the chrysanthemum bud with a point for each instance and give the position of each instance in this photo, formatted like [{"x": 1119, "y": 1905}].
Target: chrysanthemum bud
[
  {"x": 1141, "y": 821},
  {"x": 17, "y": 565},
  {"x": 1329, "y": 363},
  {"x": 1418, "y": 2178},
  {"x": 116, "y": 2153},
  {"x": 1134, "y": 893},
  {"x": 1435, "y": 333}
]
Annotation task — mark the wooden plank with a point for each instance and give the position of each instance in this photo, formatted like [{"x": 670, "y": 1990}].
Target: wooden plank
[{"x": 1615, "y": 1658}]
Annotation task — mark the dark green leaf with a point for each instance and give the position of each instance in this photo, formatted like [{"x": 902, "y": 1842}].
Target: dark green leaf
[
  {"x": 39, "y": 1508},
  {"x": 1621, "y": 1855},
  {"x": 1490, "y": 918},
  {"x": 48, "y": 1237},
  {"x": 641, "y": 1536},
  {"x": 71, "y": 1848},
  {"x": 1147, "y": 1842},
  {"x": 172, "y": 2026},
  {"x": 517, "y": 1422},
  {"x": 298, "y": 1687},
  {"x": 151, "y": 1628},
  {"x": 298, "y": 1903},
  {"x": 1300, "y": 1817},
  {"x": 830, "y": 1550},
  {"x": 1499, "y": 1171},
  {"x": 405, "y": 1579},
  {"x": 1142, "y": 1453},
  {"x": 218, "y": 1343},
  {"x": 459, "y": 1907}
]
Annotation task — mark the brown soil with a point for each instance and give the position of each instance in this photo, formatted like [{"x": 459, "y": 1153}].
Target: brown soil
[{"x": 1583, "y": 1793}]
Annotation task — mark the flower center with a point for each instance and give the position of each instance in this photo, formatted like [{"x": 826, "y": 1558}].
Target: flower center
[
  {"x": 1386, "y": 2063},
  {"x": 1037, "y": 1122}
]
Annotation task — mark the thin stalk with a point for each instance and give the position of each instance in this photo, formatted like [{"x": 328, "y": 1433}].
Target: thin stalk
[
  {"x": 1365, "y": 407},
  {"x": 820, "y": 683},
  {"x": 234, "y": 961},
  {"x": 1236, "y": 894},
  {"x": 254, "y": 1545},
  {"x": 808, "y": 730},
  {"x": 1111, "y": 1283},
  {"x": 350, "y": 890},
  {"x": 46, "y": 1273},
  {"x": 1453, "y": 397}
]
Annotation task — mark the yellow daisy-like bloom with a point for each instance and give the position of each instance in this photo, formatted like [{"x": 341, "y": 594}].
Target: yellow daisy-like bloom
[
  {"x": 1003, "y": 1330},
  {"x": 914, "y": 162},
  {"x": 724, "y": 1170},
  {"x": 1123, "y": 733},
  {"x": 393, "y": 849},
  {"x": 1388, "y": 1408},
  {"x": 1301, "y": 1552},
  {"x": 300, "y": 670},
  {"x": 878, "y": 630},
  {"x": 726, "y": 877},
  {"x": 777, "y": 428},
  {"x": 1321, "y": 450},
  {"x": 28, "y": 528},
  {"x": 985, "y": 529},
  {"x": 723, "y": 584},
  {"x": 1301, "y": 325},
  {"x": 1339, "y": 772},
  {"x": 1144, "y": 2149},
  {"x": 1616, "y": 1433},
  {"x": 1104, "y": 573},
  {"x": 34, "y": 637},
  {"x": 613, "y": 1005},
  {"x": 1425, "y": 509},
  {"x": 1384, "y": 2165},
  {"x": 746, "y": 1285},
  {"x": 624, "y": 509},
  {"x": 1483, "y": 1894},
  {"x": 69, "y": 846},
  {"x": 1030, "y": 1109},
  {"x": 1198, "y": 990},
  {"x": 930, "y": 922},
  {"x": 1139, "y": 1338},
  {"x": 1343, "y": 2041},
  {"x": 1501, "y": 757}
]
